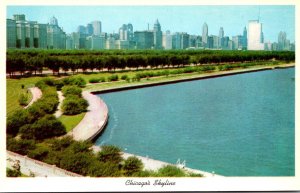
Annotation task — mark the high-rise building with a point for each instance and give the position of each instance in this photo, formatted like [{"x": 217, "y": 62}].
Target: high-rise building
[
  {"x": 97, "y": 27},
  {"x": 126, "y": 32},
  {"x": 167, "y": 40},
  {"x": 205, "y": 35},
  {"x": 157, "y": 35},
  {"x": 244, "y": 44},
  {"x": 255, "y": 35},
  {"x": 144, "y": 39},
  {"x": 81, "y": 29},
  {"x": 11, "y": 33},
  {"x": 237, "y": 42},
  {"x": 89, "y": 29},
  {"x": 56, "y": 37},
  {"x": 40, "y": 36},
  {"x": 221, "y": 38}
]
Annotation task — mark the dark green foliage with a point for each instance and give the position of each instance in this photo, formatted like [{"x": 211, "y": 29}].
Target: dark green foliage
[
  {"x": 15, "y": 121},
  {"x": 78, "y": 81},
  {"x": 76, "y": 162},
  {"x": 46, "y": 127},
  {"x": 74, "y": 105},
  {"x": 71, "y": 90},
  {"x": 107, "y": 169},
  {"x": 60, "y": 144},
  {"x": 124, "y": 77},
  {"x": 58, "y": 84},
  {"x": 39, "y": 153},
  {"x": 113, "y": 77},
  {"x": 110, "y": 153},
  {"x": 132, "y": 165},
  {"x": 94, "y": 80},
  {"x": 20, "y": 146},
  {"x": 170, "y": 171},
  {"x": 13, "y": 173},
  {"x": 80, "y": 146}
]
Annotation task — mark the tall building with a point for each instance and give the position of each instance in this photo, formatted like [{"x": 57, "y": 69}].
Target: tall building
[
  {"x": 205, "y": 35},
  {"x": 126, "y": 32},
  {"x": 40, "y": 36},
  {"x": 255, "y": 35},
  {"x": 144, "y": 39},
  {"x": 167, "y": 40},
  {"x": 221, "y": 38},
  {"x": 237, "y": 42},
  {"x": 157, "y": 35},
  {"x": 89, "y": 29},
  {"x": 244, "y": 44},
  {"x": 97, "y": 28},
  {"x": 56, "y": 37},
  {"x": 11, "y": 33}
]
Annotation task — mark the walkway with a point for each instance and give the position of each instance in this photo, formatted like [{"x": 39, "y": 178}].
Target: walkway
[
  {"x": 30, "y": 166},
  {"x": 59, "y": 112},
  {"x": 36, "y": 94},
  {"x": 94, "y": 120}
]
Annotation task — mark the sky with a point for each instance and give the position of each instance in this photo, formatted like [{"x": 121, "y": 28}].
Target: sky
[{"x": 190, "y": 19}]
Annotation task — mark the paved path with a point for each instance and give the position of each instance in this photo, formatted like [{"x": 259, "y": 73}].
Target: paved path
[
  {"x": 59, "y": 112},
  {"x": 36, "y": 94},
  {"x": 94, "y": 120}
]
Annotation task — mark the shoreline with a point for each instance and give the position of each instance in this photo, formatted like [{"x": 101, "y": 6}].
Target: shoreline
[
  {"x": 192, "y": 78},
  {"x": 152, "y": 164}
]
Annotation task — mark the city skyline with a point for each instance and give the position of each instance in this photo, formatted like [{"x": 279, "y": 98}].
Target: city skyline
[{"x": 232, "y": 19}]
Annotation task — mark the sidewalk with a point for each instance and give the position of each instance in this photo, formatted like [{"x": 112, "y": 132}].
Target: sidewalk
[{"x": 36, "y": 94}]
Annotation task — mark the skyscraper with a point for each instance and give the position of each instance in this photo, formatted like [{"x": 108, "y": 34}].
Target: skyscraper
[
  {"x": 221, "y": 38},
  {"x": 126, "y": 32},
  {"x": 255, "y": 35},
  {"x": 281, "y": 40},
  {"x": 244, "y": 38},
  {"x": 56, "y": 37},
  {"x": 97, "y": 28},
  {"x": 157, "y": 35},
  {"x": 143, "y": 39},
  {"x": 204, "y": 35},
  {"x": 11, "y": 33},
  {"x": 167, "y": 40}
]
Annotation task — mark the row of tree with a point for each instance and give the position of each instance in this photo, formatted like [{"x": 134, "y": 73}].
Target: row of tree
[{"x": 35, "y": 62}]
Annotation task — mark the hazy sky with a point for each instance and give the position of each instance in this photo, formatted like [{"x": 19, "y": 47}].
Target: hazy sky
[{"x": 174, "y": 18}]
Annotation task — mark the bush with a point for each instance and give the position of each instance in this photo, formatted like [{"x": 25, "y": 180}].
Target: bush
[
  {"x": 15, "y": 121},
  {"x": 59, "y": 84},
  {"x": 94, "y": 80},
  {"x": 124, "y": 77},
  {"x": 39, "y": 153},
  {"x": 46, "y": 127},
  {"x": 74, "y": 105},
  {"x": 113, "y": 77},
  {"x": 170, "y": 171},
  {"x": 71, "y": 90},
  {"x": 132, "y": 165},
  {"x": 110, "y": 153},
  {"x": 13, "y": 173},
  {"x": 78, "y": 81},
  {"x": 20, "y": 146}
]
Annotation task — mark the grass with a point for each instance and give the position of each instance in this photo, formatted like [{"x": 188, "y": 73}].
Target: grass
[
  {"x": 70, "y": 121},
  {"x": 123, "y": 83},
  {"x": 14, "y": 90}
]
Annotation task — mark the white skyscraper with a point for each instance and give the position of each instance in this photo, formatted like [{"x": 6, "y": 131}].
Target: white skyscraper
[
  {"x": 97, "y": 28},
  {"x": 167, "y": 40},
  {"x": 255, "y": 35}
]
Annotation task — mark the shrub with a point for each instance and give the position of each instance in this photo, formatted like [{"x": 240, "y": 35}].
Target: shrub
[
  {"x": 124, "y": 77},
  {"x": 113, "y": 77},
  {"x": 39, "y": 153},
  {"x": 132, "y": 165},
  {"x": 20, "y": 146},
  {"x": 74, "y": 105},
  {"x": 78, "y": 163},
  {"x": 170, "y": 171},
  {"x": 15, "y": 121},
  {"x": 78, "y": 81},
  {"x": 59, "y": 84},
  {"x": 13, "y": 173},
  {"x": 94, "y": 80},
  {"x": 46, "y": 127},
  {"x": 110, "y": 153},
  {"x": 71, "y": 90}
]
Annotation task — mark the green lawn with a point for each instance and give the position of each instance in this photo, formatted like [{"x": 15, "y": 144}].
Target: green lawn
[
  {"x": 14, "y": 90},
  {"x": 71, "y": 121}
]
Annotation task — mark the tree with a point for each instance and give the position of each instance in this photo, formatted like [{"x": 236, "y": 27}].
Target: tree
[
  {"x": 110, "y": 153},
  {"x": 15, "y": 121},
  {"x": 132, "y": 165},
  {"x": 170, "y": 171}
]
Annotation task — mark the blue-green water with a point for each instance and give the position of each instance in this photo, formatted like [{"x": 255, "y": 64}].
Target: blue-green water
[{"x": 241, "y": 125}]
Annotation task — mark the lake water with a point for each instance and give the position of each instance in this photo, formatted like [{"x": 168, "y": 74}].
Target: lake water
[{"x": 240, "y": 125}]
